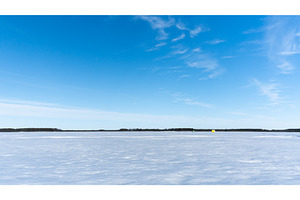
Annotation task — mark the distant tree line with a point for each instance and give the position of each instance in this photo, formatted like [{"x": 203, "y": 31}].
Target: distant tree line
[
  {"x": 29, "y": 130},
  {"x": 140, "y": 129},
  {"x": 220, "y": 130}
]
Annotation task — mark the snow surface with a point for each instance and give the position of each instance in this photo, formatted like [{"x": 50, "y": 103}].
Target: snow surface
[{"x": 149, "y": 158}]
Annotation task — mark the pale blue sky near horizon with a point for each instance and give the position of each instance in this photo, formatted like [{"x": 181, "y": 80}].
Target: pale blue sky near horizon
[{"x": 111, "y": 72}]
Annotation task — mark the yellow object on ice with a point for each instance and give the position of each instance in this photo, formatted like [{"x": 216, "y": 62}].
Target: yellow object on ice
[{"x": 213, "y": 131}]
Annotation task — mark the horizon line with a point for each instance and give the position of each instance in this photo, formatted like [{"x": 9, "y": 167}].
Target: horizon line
[{"x": 146, "y": 129}]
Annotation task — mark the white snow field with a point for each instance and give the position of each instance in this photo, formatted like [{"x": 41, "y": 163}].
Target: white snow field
[{"x": 149, "y": 158}]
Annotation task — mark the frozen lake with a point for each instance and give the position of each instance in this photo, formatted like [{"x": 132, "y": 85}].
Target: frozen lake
[{"x": 149, "y": 158}]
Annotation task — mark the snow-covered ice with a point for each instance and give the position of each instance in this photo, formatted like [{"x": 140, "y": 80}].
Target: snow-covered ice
[{"x": 149, "y": 158}]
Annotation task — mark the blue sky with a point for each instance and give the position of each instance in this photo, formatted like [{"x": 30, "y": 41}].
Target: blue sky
[{"x": 111, "y": 72}]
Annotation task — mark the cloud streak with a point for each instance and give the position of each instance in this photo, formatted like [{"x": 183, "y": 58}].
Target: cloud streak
[
  {"x": 52, "y": 115},
  {"x": 157, "y": 46},
  {"x": 202, "y": 61},
  {"x": 254, "y": 116},
  {"x": 285, "y": 67},
  {"x": 181, "y": 26},
  {"x": 179, "y": 37},
  {"x": 214, "y": 42},
  {"x": 176, "y": 52},
  {"x": 40, "y": 109},
  {"x": 192, "y": 102},
  {"x": 206, "y": 63},
  {"x": 159, "y": 24},
  {"x": 268, "y": 89},
  {"x": 287, "y": 53},
  {"x": 261, "y": 29},
  {"x": 227, "y": 57},
  {"x": 193, "y": 32},
  {"x": 282, "y": 41},
  {"x": 197, "y": 49},
  {"x": 193, "y": 58}
]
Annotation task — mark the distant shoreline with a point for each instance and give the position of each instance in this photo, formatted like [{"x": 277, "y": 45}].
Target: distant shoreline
[{"x": 145, "y": 130}]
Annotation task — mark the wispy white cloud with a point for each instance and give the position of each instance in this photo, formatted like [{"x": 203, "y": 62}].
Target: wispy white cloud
[
  {"x": 282, "y": 41},
  {"x": 254, "y": 116},
  {"x": 285, "y": 67},
  {"x": 202, "y": 61},
  {"x": 181, "y": 26},
  {"x": 162, "y": 35},
  {"x": 213, "y": 74},
  {"x": 31, "y": 103},
  {"x": 156, "y": 47},
  {"x": 182, "y": 51},
  {"x": 169, "y": 55},
  {"x": 214, "y": 42},
  {"x": 152, "y": 49},
  {"x": 177, "y": 50},
  {"x": 184, "y": 76},
  {"x": 197, "y": 49},
  {"x": 254, "y": 47},
  {"x": 53, "y": 115},
  {"x": 23, "y": 109},
  {"x": 287, "y": 53},
  {"x": 195, "y": 32},
  {"x": 268, "y": 89},
  {"x": 260, "y": 29},
  {"x": 252, "y": 42},
  {"x": 227, "y": 57},
  {"x": 160, "y": 24},
  {"x": 179, "y": 37},
  {"x": 194, "y": 58},
  {"x": 41, "y": 109},
  {"x": 175, "y": 67},
  {"x": 161, "y": 44},
  {"x": 206, "y": 63},
  {"x": 192, "y": 102},
  {"x": 154, "y": 69}
]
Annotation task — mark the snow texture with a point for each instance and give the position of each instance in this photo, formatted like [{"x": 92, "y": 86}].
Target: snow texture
[{"x": 149, "y": 158}]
